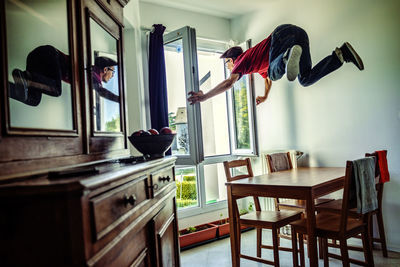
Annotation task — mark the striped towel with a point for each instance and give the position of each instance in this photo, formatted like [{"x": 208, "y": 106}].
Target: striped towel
[{"x": 280, "y": 162}]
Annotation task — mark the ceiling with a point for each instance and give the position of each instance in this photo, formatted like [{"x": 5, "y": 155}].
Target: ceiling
[{"x": 221, "y": 8}]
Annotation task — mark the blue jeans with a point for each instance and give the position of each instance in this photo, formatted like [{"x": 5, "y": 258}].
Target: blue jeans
[{"x": 283, "y": 38}]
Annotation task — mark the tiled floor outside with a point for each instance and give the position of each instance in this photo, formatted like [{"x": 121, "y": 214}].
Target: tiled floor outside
[{"x": 218, "y": 254}]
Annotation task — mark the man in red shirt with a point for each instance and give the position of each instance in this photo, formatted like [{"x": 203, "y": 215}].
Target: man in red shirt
[{"x": 285, "y": 50}]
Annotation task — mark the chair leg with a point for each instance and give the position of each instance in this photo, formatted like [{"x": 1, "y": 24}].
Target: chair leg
[
  {"x": 294, "y": 248},
  {"x": 259, "y": 241},
  {"x": 278, "y": 231},
  {"x": 368, "y": 255},
  {"x": 371, "y": 230},
  {"x": 321, "y": 255},
  {"x": 345, "y": 253},
  {"x": 325, "y": 251},
  {"x": 301, "y": 248},
  {"x": 275, "y": 245},
  {"x": 382, "y": 235}
]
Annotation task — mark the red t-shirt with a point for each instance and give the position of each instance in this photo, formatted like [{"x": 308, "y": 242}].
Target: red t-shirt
[{"x": 255, "y": 59}]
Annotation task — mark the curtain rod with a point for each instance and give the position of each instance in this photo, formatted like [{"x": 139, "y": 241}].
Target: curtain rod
[{"x": 147, "y": 30}]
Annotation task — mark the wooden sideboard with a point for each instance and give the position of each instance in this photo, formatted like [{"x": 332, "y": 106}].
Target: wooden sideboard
[{"x": 119, "y": 215}]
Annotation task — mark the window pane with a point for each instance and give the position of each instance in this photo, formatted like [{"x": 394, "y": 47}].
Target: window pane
[
  {"x": 214, "y": 178},
  {"x": 177, "y": 96},
  {"x": 186, "y": 187},
  {"x": 241, "y": 113},
  {"x": 39, "y": 67},
  {"x": 214, "y": 117}
]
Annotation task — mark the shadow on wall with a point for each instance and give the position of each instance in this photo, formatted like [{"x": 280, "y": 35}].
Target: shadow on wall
[{"x": 291, "y": 126}]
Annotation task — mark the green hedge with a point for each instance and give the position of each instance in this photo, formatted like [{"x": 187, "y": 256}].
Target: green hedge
[
  {"x": 190, "y": 178},
  {"x": 188, "y": 190},
  {"x": 185, "y": 202}
]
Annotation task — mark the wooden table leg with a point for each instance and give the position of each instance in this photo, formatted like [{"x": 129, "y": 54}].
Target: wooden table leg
[
  {"x": 235, "y": 234},
  {"x": 311, "y": 239}
]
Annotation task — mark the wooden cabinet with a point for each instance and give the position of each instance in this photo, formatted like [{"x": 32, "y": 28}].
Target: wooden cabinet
[
  {"x": 124, "y": 215},
  {"x": 62, "y": 89},
  {"x": 62, "y": 95}
]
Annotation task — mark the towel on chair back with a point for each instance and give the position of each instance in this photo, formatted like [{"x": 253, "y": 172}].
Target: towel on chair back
[
  {"x": 383, "y": 166},
  {"x": 364, "y": 181},
  {"x": 280, "y": 162}
]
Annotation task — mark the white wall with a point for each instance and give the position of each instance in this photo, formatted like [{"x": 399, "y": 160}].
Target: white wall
[
  {"x": 134, "y": 70},
  {"x": 173, "y": 19},
  {"x": 348, "y": 112}
]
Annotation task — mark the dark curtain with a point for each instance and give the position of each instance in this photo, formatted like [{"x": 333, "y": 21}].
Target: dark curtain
[{"x": 157, "y": 79}]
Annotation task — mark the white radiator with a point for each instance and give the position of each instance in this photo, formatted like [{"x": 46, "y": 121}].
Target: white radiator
[{"x": 268, "y": 203}]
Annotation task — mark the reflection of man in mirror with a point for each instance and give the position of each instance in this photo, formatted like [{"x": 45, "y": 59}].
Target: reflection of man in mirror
[
  {"x": 103, "y": 71},
  {"x": 46, "y": 67}
]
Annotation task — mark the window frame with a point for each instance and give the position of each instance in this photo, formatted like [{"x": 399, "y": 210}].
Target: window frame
[
  {"x": 198, "y": 160},
  {"x": 188, "y": 36}
]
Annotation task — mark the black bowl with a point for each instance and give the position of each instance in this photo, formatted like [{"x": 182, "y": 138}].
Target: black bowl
[{"x": 153, "y": 146}]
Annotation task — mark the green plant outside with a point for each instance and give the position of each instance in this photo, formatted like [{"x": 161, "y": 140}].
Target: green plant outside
[
  {"x": 171, "y": 121},
  {"x": 186, "y": 191},
  {"x": 241, "y": 114},
  {"x": 182, "y": 203},
  {"x": 113, "y": 125}
]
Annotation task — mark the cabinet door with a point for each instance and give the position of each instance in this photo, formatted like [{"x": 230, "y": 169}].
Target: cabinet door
[
  {"x": 166, "y": 235},
  {"x": 104, "y": 75},
  {"x": 40, "y": 102}
]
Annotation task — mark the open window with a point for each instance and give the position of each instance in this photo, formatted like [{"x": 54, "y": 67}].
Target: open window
[{"x": 210, "y": 132}]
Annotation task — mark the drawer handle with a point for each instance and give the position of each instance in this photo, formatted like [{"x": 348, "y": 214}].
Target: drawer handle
[
  {"x": 155, "y": 186},
  {"x": 163, "y": 179},
  {"x": 129, "y": 199}
]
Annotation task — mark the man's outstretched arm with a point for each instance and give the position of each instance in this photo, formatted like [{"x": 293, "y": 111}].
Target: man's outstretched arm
[
  {"x": 199, "y": 96},
  {"x": 268, "y": 84}
]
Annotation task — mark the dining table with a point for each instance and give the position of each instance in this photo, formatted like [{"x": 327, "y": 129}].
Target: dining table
[{"x": 303, "y": 183}]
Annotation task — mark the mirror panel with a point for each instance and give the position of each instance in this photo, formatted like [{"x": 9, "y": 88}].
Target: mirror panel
[
  {"x": 39, "y": 66},
  {"x": 105, "y": 80}
]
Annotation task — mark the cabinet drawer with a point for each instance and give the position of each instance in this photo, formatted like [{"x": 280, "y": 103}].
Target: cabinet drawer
[
  {"x": 110, "y": 208},
  {"x": 160, "y": 179}
]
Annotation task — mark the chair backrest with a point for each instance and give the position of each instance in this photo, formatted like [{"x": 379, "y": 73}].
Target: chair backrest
[
  {"x": 346, "y": 206},
  {"x": 279, "y": 162},
  {"x": 229, "y": 165}
]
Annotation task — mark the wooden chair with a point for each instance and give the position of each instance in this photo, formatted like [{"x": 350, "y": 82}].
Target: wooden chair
[
  {"x": 336, "y": 227},
  {"x": 288, "y": 204},
  {"x": 273, "y": 220},
  {"x": 335, "y": 207}
]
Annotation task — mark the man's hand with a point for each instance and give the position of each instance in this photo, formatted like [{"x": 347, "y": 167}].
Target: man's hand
[
  {"x": 260, "y": 99},
  {"x": 268, "y": 84},
  {"x": 195, "y": 97}
]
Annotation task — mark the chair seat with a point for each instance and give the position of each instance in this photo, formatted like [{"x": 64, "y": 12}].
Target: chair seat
[
  {"x": 327, "y": 224},
  {"x": 335, "y": 207},
  {"x": 301, "y": 204},
  {"x": 268, "y": 219}
]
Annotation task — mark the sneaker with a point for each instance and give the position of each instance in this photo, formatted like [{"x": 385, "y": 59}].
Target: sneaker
[
  {"x": 350, "y": 55},
  {"x": 292, "y": 64},
  {"x": 20, "y": 90}
]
